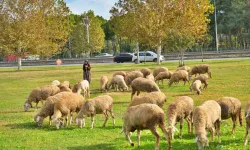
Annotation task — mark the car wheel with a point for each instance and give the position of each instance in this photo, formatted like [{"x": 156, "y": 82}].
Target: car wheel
[{"x": 155, "y": 60}]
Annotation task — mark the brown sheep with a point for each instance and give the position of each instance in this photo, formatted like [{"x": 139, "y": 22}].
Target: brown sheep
[
  {"x": 177, "y": 76},
  {"x": 131, "y": 76},
  {"x": 184, "y": 68},
  {"x": 158, "y": 70},
  {"x": 230, "y": 108},
  {"x": 203, "y": 78},
  {"x": 163, "y": 75},
  {"x": 123, "y": 73},
  {"x": 201, "y": 69},
  {"x": 104, "y": 83},
  {"x": 145, "y": 72}
]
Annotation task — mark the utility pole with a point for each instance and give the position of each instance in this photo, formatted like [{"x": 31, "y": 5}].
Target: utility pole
[
  {"x": 87, "y": 23},
  {"x": 216, "y": 33}
]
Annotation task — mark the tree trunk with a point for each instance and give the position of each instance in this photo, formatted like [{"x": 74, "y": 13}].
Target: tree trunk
[
  {"x": 201, "y": 54},
  {"x": 137, "y": 50},
  {"x": 182, "y": 58},
  {"x": 159, "y": 53},
  {"x": 19, "y": 63}
]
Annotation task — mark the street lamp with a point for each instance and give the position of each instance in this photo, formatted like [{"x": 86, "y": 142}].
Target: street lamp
[
  {"x": 87, "y": 23},
  {"x": 216, "y": 33}
]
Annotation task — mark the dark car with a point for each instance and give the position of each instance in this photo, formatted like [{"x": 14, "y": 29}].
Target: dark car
[{"x": 123, "y": 57}]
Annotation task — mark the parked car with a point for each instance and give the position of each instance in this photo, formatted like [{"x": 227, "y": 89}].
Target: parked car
[
  {"x": 104, "y": 55},
  {"x": 147, "y": 56},
  {"x": 123, "y": 57},
  {"x": 31, "y": 57}
]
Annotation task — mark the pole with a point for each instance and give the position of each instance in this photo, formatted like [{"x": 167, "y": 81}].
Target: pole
[
  {"x": 86, "y": 23},
  {"x": 216, "y": 32}
]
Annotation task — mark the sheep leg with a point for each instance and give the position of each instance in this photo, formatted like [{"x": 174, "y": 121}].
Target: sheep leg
[
  {"x": 127, "y": 134},
  {"x": 167, "y": 136},
  {"x": 218, "y": 129},
  {"x": 71, "y": 118},
  {"x": 212, "y": 133},
  {"x": 133, "y": 93},
  {"x": 106, "y": 118},
  {"x": 138, "y": 93},
  {"x": 247, "y": 134},
  {"x": 113, "y": 117},
  {"x": 234, "y": 123},
  {"x": 50, "y": 119},
  {"x": 67, "y": 121},
  {"x": 181, "y": 122},
  {"x": 92, "y": 121},
  {"x": 189, "y": 124},
  {"x": 157, "y": 136},
  {"x": 139, "y": 137},
  {"x": 162, "y": 82},
  {"x": 192, "y": 122}
]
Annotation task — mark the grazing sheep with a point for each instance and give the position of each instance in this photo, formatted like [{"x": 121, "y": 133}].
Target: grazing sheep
[
  {"x": 196, "y": 86},
  {"x": 158, "y": 70},
  {"x": 180, "y": 109},
  {"x": 163, "y": 75},
  {"x": 151, "y": 77},
  {"x": 203, "y": 78},
  {"x": 177, "y": 76},
  {"x": 144, "y": 116},
  {"x": 83, "y": 85},
  {"x": 157, "y": 98},
  {"x": 64, "y": 88},
  {"x": 230, "y": 108},
  {"x": 143, "y": 84},
  {"x": 55, "y": 82},
  {"x": 67, "y": 105},
  {"x": 201, "y": 69},
  {"x": 123, "y": 73},
  {"x": 104, "y": 83},
  {"x": 247, "y": 115},
  {"x": 98, "y": 105},
  {"x": 118, "y": 82},
  {"x": 207, "y": 117},
  {"x": 40, "y": 93},
  {"x": 131, "y": 76},
  {"x": 184, "y": 68},
  {"x": 145, "y": 72},
  {"x": 66, "y": 83}
]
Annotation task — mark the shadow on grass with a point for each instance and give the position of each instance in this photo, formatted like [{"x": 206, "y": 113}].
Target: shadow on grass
[
  {"x": 94, "y": 147},
  {"x": 26, "y": 125},
  {"x": 12, "y": 111}
]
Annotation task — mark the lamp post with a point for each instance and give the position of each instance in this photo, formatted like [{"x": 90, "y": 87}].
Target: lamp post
[
  {"x": 216, "y": 33},
  {"x": 86, "y": 23}
]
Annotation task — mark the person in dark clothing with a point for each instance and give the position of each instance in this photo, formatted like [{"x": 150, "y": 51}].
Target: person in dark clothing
[{"x": 86, "y": 71}]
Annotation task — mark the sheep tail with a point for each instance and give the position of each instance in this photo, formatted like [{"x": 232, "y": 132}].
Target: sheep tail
[{"x": 240, "y": 117}]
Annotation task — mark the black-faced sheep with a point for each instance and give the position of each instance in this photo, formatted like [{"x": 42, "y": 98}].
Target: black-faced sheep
[
  {"x": 40, "y": 93},
  {"x": 83, "y": 85},
  {"x": 196, "y": 86},
  {"x": 104, "y": 83},
  {"x": 158, "y": 70},
  {"x": 230, "y": 108},
  {"x": 97, "y": 105},
  {"x": 131, "y": 76},
  {"x": 145, "y": 116},
  {"x": 180, "y": 109},
  {"x": 157, "y": 98},
  {"x": 67, "y": 105},
  {"x": 201, "y": 69},
  {"x": 145, "y": 72},
  {"x": 207, "y": 117},
  {"x": 203, "y": 78},
  {"x": 247, "y": 116},
  {"x": 143, "y": 84},
  {"x": 177, "y": 76}
]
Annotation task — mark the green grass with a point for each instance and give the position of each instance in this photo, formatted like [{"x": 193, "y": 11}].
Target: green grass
[{"x": 18, "y": 130}]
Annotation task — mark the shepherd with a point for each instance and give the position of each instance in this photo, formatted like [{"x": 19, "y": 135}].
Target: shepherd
[{"x": 86, "y": 71}]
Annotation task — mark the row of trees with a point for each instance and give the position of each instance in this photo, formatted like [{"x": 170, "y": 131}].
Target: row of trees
[{"x": 48, "y": 28}]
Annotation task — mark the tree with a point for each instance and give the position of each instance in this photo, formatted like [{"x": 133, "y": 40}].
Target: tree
[{"x": 33, "y": 27}]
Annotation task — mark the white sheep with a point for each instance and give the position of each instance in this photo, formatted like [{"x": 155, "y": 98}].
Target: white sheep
[
  {"x": 207, "y": 117},
  {"x": 230, "y": 108},
  {"x": 177, "y": 76},
  {"x": 144, "y": 116},
  {"x": 83, "y": 85},
  {"x": 143, "y": 84},
  {"x": 157, "y": 98},
  {"x": 247, "y": 116},
  {"x": 67, "y": 105},
  {"x": 39, "y": 94},
  {"x": 196, "y": 86},
  {"x": 203, "y": 78},
  {"x": 118, "y": 82},
  {"x": 178, "y": 110},
  {"x": 98, "y": 105},
  {"x": 104, "y": 83},
  {"x": 55, "y": 82}
]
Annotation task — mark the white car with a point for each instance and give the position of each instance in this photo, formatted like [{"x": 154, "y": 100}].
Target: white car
[
  {"x": 104, "y": 55},
  {"x": 147, "y": 56}
]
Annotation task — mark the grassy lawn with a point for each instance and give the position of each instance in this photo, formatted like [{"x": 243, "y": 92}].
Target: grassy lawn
[{"x": 18, "y": 130}]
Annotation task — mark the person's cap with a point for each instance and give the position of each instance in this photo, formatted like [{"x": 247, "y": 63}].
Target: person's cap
[{"x": 86, "y": 60}]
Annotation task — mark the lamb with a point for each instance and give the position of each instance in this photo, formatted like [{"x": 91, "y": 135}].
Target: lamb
[
  {"x": 40, "y": 93},
  {"x": 184, "y": 68},
  {"x": 247, "y": 115},
  {"x": 180, "y": 109},
  {"x": 151, "y": 77},
  {"x": 123, "y": 73},
  {"x": 201, "y": 69},
  {"x": 196, "y": 86},
  {"x": 177, "y": 76},
  {"x": 118, "y": 82},
  {"x": 98, "y": 105},
  {"x": 157, "y": 98},
  {"x": 104, "y": 83},
  {"x": 163, "y": 75},
  {"x": 131, "y": 76},
  {"x": 207, "y": 116},
  {"x": 83, "y": 85},
  {"x": 67, "y": 105},
  {"x": 144, "y": 116},
  {"x": 145, "y": 72},
  {"x": 143, "y": 84},
  {"x": 230, "y": 108},
  {"x": 203, "y": 78},
  {"x": 158, "y": 70},
  {"x": 55, "y": 82}
]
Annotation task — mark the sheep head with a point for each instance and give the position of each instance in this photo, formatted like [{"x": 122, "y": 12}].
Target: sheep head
[
  {"x": 202, "y": 141},
  {"x": 26, "y": 106},
  {"x": 171, "y": 130},
  {"x": 38, "y": 120}
]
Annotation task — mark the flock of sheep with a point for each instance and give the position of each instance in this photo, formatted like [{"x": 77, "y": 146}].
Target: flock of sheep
[{"x": 145, "y": 110}]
